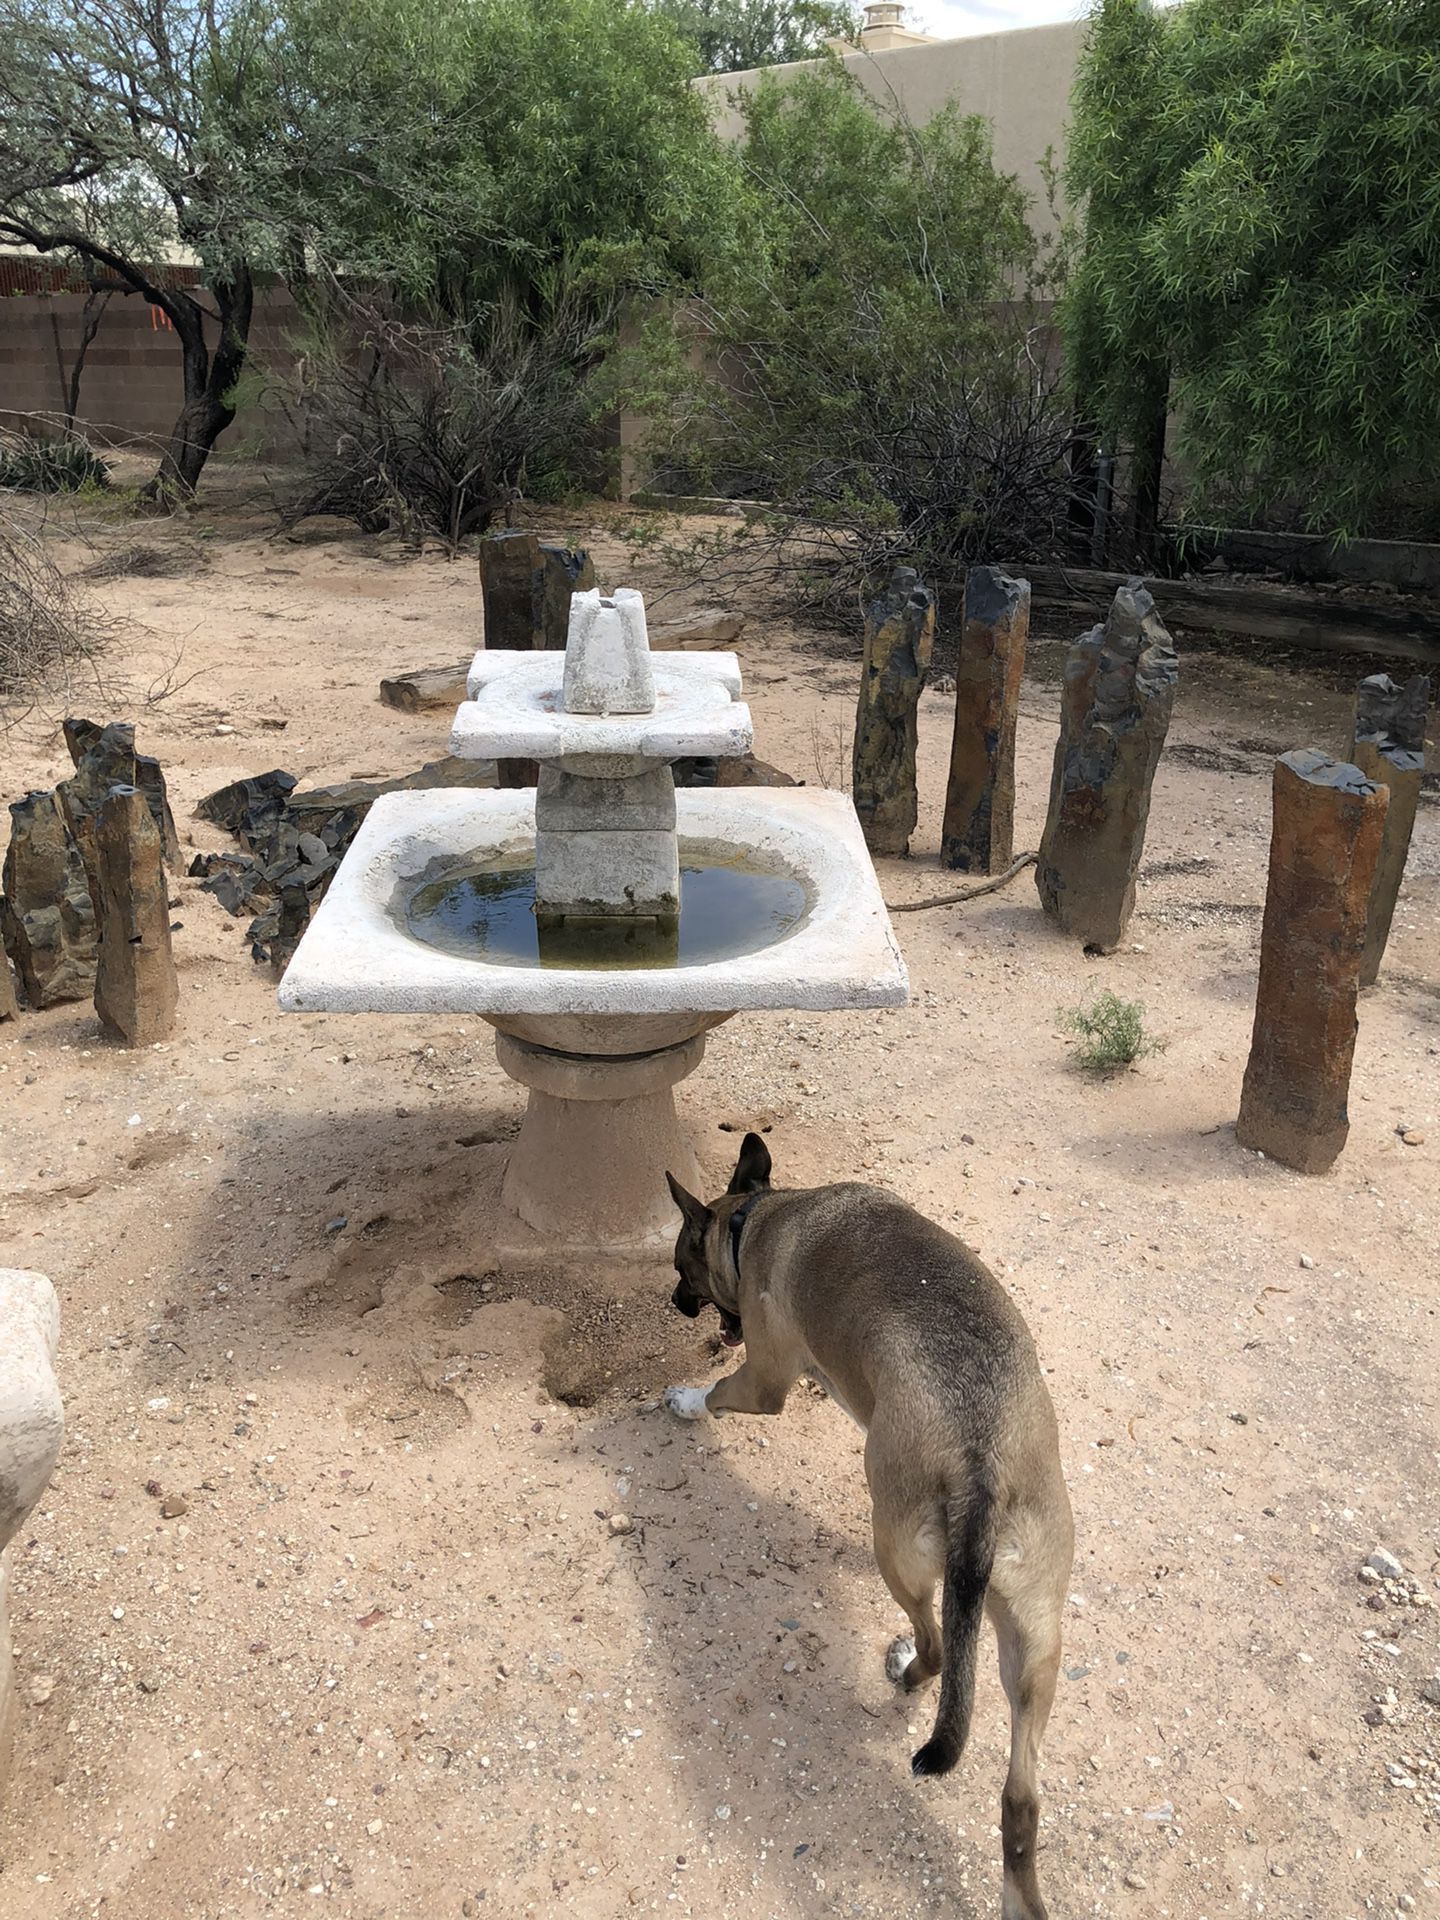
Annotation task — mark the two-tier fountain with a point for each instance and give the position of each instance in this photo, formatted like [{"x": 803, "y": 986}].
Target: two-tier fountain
[{"x": 602, "y": 923}]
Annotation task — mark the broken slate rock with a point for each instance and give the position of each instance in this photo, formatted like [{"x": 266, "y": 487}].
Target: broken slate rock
[
  {"x": 46, "y": 914},
  {"x": 312, "y": 810},
  {"x": 248, "y": 808}
]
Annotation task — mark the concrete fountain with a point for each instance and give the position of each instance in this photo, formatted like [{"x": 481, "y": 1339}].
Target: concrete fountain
[{"x": 602, "y": 923}]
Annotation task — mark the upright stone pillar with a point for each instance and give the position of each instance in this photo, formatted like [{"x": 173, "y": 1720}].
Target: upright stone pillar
[
  {"x": 81, "y": 736},
  {"x": 526, "y": 586},
  {"x": 1324, "y": 848},
  {"x": 899, "y": 638},
  {"x": 979, "y": 830},
  {"x": 108, "y": 761},
  {"x": 135, "y": 986},
  {"x": 32, "y": 1423},
  {"x": 46, "y": 914},
  {"x": 1118, "y": 694},
  {"x": 1388, "y": 746}
]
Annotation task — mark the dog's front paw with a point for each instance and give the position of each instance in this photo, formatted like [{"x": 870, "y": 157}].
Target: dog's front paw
[
  {"x": 898, "y": 1656},
  {"x": 686, "y": 1403}
]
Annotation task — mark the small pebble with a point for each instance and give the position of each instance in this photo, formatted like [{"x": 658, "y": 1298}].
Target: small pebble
[
  {"x": 1385, "y": 1564},
  {"x": 173, "y": 1506},
  {"x": 40, "y": 1689},
  {"x": 1136, "y": 1882},
  {"x": 1412, "y": 1138},
  {"x": 1306, "y": 1261},
  {"x": 621, "y": 1523}
]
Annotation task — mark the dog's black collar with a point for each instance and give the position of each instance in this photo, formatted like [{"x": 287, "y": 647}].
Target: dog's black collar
[{"x": 737, "y": 1226}]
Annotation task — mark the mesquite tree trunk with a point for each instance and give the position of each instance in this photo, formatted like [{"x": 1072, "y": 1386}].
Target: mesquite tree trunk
[{"x": 209, "y": 380}]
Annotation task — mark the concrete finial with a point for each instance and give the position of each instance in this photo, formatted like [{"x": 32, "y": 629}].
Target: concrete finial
[{"x": 607, "y": 655}]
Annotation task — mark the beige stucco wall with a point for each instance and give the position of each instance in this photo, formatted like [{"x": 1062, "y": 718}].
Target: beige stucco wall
[{"x": 1019, "y": 81}]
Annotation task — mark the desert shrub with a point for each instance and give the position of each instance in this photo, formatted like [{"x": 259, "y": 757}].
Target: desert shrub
[
  {"x": 867, "y": 363},
  {"x": 1108, "y": 1032},
  {"x": 67, "y": 464},
  {"x": 433, "y": 430},
  {"x": 45, "y": 627}
]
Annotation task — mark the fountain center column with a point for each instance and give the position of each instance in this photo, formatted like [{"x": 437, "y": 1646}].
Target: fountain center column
[{"x": 605, "y": 843}]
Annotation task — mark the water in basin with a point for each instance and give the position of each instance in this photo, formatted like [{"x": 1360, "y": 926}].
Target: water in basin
[{"x": 484, "y": 909}]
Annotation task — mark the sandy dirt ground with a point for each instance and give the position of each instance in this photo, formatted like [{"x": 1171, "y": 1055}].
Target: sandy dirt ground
[{"x": 391, "y": 1659}]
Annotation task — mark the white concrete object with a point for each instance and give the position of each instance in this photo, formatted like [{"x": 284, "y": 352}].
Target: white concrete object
[
  {"x": 32, "y": 1423},
  {"x": 601, "y": 1046},
  {"x": 607, "y": 655}
]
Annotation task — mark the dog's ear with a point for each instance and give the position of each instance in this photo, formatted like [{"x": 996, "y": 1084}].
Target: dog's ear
[
  {"x": 697, "y": 1215},
  {"x": 752, "y": 1169}
]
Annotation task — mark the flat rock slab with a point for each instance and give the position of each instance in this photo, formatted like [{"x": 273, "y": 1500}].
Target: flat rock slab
[
  {"x": 46, "y": 914},
  {"x": 899, "y": 639},
  {"x": 1118, "y": 694},
  {"x": 136, "y": 991},
  {"x": 1328, "y": 822},
  {"x": 708, "y": 627},
  {"x": 427, "y": 687}
]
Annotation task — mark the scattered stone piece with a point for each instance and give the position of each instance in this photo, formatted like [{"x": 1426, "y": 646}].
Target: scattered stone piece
[
  {"x": 1118, "y": 694},
  {"x": 425, "y": 688},
  {"x": 83, "y": 735},
  {"x": 743, "y": 771},
  {"x": 1388, "y": 745},
  {"x": 621, "y": 1523},
  {"x": 174, "y": 1506},
  {"x": 1411, "y": 1138},
  {"x": 1430, "y": 1692},
  {"x": 248, "y": 808},
  {"x": 32, "y": 1423},
  {"x": 899, "y": 638},
  {"x": 1306, "y": 1262},
  {"x": 46, "y": 914},
  {"x": 695, "y": 632},
  {"x": 979, "y": 831},
  {"x": 40, "y": 1688},
  {"x": 136, "y": 991},
  {"x": 1324, "y": 843},
  {"x": 1136, "y": 1882},
  {"x": 292, "y": 916},
  {"x": 1384, "y": 1563}
]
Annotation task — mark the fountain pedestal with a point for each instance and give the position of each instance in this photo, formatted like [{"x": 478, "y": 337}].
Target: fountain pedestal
[{"x": 595, "y": 1129}]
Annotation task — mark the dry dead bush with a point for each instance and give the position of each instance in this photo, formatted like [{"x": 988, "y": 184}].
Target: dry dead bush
[{"x": 49, "y": 632}]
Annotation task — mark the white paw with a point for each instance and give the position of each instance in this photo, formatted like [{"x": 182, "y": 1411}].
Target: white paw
[
  {"x": 898, "y": 1656},
  {"x": 686, "y": 1403}
]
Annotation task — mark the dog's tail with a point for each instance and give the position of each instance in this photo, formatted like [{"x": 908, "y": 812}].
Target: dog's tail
[{"x": 969, "y": 1554}]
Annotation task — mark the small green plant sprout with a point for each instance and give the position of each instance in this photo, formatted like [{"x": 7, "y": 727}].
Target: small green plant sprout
[{"x": 1108, "y": 1032}]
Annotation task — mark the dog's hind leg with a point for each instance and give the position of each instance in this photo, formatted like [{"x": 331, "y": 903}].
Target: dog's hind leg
[
  {"x": 910, "y": 1553},
  {"x": 1027, "y": 1592}
]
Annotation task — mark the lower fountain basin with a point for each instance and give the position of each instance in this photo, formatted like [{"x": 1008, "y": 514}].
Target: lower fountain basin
[{"x": 360, "y": 953}]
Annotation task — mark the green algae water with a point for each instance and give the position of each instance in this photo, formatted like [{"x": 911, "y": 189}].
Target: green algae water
[{"x": 484, "y": 910}]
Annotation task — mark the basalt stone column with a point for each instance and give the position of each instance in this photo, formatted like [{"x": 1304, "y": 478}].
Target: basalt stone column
[
  {"x": 1325, "y": 838},
  {"x": 135, "y": 986},
  {"x": 46, "y": 915},
  {"x": 979, "y": 830},
  {"x": 1388, "y": 746},
  {"x": 526, "y": 586},
  {"x": 9, "y": 1005},
  {"x": 899, "y": 637},
  {"x": 108, "y": 761},
  {"x": 1118, "y": 694},
  {"x": 81, "y": 736}
]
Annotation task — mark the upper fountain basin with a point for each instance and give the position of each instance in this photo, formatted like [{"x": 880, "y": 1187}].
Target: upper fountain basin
[
  {"x": 516, "y": 711},
  {"x": 359, "y": 955}
]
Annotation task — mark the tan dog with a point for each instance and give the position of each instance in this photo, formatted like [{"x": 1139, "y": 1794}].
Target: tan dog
[{"x": 916, "y": 1339}]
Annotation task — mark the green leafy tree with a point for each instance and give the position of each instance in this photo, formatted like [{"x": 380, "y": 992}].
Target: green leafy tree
[
  {"x": 864, "y": 359},
  {"x": 1262, "y": 236},
  {"x": 730, "y": 36},
  {"x": 115, "y": 151}
]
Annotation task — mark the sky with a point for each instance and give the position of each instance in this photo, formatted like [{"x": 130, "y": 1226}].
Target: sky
[{"x": 950, "y": 19}]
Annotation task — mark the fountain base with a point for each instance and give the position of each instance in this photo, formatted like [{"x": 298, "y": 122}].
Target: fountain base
[{"x": 587, "y": 1172}]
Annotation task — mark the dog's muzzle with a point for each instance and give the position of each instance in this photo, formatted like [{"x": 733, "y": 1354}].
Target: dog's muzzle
[{"x": 686, "y": 1302}]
